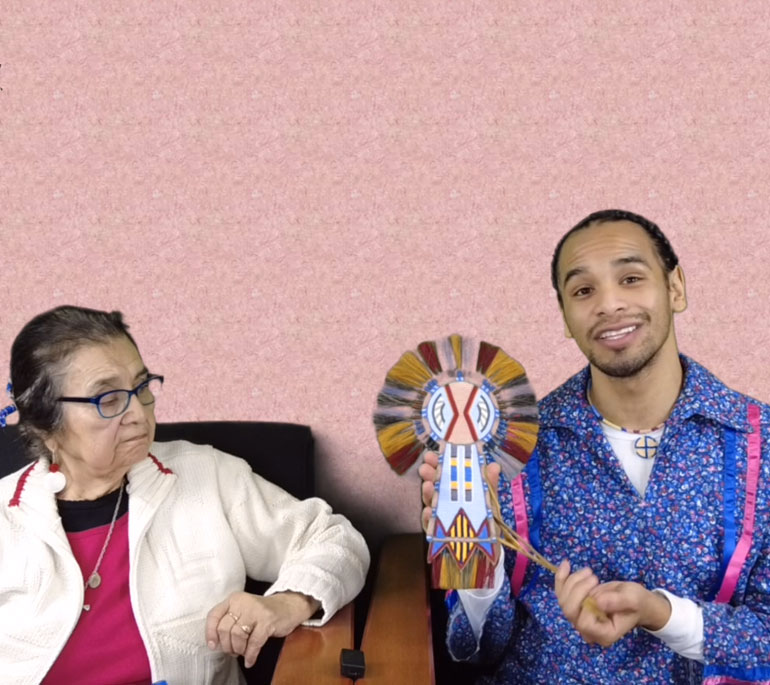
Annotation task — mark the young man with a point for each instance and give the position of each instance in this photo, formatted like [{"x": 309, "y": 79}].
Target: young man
[{"x": 650, "y": 476}]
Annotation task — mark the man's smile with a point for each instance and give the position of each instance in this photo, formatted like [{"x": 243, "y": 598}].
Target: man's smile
[{"x": 617, "y": 333}]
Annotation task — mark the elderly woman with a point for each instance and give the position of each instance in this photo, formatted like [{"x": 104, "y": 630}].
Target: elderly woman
[{"x": 123, "y": 560}]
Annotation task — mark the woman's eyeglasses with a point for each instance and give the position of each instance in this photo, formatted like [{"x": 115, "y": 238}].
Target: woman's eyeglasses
[{"x": 115, "y": 402}]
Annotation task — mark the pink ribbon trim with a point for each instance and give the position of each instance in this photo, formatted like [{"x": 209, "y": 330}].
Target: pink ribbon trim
[
  {"x": 730, "y": 581},
  {"x": 729, "y": 680},
  {"x": 522, "y": 528}
]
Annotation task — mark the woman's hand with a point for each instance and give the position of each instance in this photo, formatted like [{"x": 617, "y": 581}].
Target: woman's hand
[{"x": 242, "y": 623}]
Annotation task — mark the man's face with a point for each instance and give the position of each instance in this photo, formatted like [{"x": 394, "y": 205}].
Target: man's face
[{"x": 618, "y": 303}]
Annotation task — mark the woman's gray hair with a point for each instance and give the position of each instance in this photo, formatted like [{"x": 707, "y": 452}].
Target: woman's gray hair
[{"x": 39, "y": 357}]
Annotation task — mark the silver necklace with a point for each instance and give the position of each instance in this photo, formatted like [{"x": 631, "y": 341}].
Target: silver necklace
[{"x": 95, "y": 580}]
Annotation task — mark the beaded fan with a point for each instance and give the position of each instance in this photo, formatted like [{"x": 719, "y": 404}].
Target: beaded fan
[{"x": 469, "y": 402}]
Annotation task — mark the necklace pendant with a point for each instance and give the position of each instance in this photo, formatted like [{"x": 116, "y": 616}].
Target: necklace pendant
[
  {"x": 95, "y": 580},
  {"x": 86, "y": 607},
  {"x": 646, "y": 447}
]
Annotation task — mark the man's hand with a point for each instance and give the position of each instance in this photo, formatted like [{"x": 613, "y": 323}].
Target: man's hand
[
  {"x": 627, "y": 606},
  {"x": 430, "y": 474},
  {"x": 243, "y": 622}
]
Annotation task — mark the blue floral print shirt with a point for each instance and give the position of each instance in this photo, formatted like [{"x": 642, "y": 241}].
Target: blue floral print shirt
[{"x": 672, "y": 538}]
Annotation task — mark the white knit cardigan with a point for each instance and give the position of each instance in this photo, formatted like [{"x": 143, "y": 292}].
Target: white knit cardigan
[{"x": 199, "y": 521}]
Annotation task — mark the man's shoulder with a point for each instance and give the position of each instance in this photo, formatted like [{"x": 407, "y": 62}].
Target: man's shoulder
[
  {"x": 704, "y": 393},
  {"x": 562, "y": 401}
]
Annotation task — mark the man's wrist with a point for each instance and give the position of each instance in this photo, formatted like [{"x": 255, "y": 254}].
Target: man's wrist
[{"x": 657, "y": 611}]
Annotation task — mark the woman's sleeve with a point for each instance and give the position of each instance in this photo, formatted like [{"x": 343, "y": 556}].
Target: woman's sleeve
[{"x": 297, "y": 545}]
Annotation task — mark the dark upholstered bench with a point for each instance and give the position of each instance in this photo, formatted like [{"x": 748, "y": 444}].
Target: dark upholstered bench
[{"x": 280, "y": 452}]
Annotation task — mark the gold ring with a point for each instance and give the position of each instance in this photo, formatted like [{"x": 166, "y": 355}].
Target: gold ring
[
  {"x": 233, "y": 616},
  {"x": 247, "y": 629}
]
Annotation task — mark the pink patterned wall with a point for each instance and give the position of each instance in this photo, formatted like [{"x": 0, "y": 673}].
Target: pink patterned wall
[{"x": 280, "y": 196}]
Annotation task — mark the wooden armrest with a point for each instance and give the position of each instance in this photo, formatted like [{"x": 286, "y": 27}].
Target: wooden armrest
[
  {"x": 311, "y": 656},
  {"x": 397, "y": 643}
]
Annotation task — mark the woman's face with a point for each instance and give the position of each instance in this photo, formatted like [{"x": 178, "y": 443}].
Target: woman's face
[{"x": 88, "y": 445}]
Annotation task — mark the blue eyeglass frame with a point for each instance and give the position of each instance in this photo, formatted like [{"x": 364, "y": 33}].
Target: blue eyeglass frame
[{"x": 96, "y": 399}]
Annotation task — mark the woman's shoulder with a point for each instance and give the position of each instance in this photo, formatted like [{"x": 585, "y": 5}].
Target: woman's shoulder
[
  {"x": 12, "y": 482},
  {"x": 181, "y": 455},
  {"x": 203, "y": 468},
  {"x": 179, "y": 449}
]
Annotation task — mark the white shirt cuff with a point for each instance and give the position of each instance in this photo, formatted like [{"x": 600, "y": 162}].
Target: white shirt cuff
[
  {"x": 477, "y": 602},
  {"x": 683, "y": 633}
]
